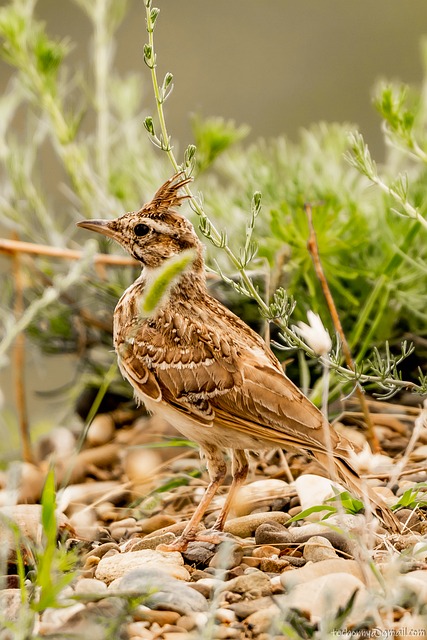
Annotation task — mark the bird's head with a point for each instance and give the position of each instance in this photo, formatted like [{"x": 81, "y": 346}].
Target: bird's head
[{"x": 156, "y": 232}]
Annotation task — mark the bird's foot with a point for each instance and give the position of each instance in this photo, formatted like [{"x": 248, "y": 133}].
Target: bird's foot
[{"x": 211, "y": 536}]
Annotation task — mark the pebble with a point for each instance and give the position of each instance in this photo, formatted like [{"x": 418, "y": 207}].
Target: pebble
[
  {"x": 254, "y": 583},
  {"x": 263, "y": 620},
  {"x": 259, "y": 494},
  {"x": 141, "y": 465},
  {"x": 419, "y": 454},
  {"x": 90, "y": 586},
  {"x": 101, "y": 430},
  {"x": 199, "y": 553},
  {"x": 229, "y": 555},
  {"x": 138, "y": 631},
  {"x": 169, "y": 593},
  {"x": 225, "y": 615},
  {"x": 110, "y": 568},
  {"x": 273, "y": 565},
  {"x": 314, "y": 570},
  {"x": 145, "y": 614},
  {"x": 53, "y": 619},
  {"x": 313, "y": 490},
  {"x": 246, "y": 608},
  {"x": 152, "y": 542},
  {"x": 318, "y": 548},
  {"x": 156, "y": 522},
  {"x": 265, "y": 551},
  {"x": 272, "y": 533},
  {"x": 327, "y": 593},
  {"x": 246, "y": 525},
  {"x": 10, "y": 604}
]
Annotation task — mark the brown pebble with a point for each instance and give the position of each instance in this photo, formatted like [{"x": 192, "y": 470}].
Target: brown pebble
[
  {"x": 159, "y": 521},
  {"x": 153, "y": 615},
  {"x": 294, "y": 511},
  {"x": 187, "y": 622},
  {"x": 246, "y": 525},
  {"x": 272, "y": 533},
  {"x": 251, "y": 561},
  {"x": 227, "y": 557},
  {"x": 265, "y": 551},
  {"x": 273, "y": 565},
  {"x": 410, "y": 518},
  {"x": 101, "y": 550},
  {"x": 136, "y": 544},
  {"x": 204, "y": 589}
]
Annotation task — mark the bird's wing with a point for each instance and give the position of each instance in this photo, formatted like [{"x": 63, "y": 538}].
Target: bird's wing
[{"x": 222, "y": 371}]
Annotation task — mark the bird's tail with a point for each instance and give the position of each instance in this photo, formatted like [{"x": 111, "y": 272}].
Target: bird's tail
[{"x": 348, "y": 476}]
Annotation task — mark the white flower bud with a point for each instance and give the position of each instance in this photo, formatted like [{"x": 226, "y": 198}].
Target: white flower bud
[{"x": 315, "y": 334}]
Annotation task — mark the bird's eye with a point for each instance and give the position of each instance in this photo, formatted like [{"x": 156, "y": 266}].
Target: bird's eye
[{"x": 141, "y": 229}]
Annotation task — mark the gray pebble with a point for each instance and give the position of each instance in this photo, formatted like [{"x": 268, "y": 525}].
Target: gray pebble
[{"x": 170, "y": 594}]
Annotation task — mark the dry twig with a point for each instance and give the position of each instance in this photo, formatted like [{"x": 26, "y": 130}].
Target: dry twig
[{"x": 314, "y": 252}]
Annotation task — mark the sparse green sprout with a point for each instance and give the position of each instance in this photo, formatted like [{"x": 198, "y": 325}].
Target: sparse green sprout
[{"x": 413, "y": 498}]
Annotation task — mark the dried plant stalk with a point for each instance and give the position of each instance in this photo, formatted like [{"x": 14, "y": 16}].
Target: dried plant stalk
[{"x": 314, "y": 252}]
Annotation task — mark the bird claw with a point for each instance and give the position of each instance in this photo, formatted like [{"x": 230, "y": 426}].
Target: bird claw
[{"x": 211, "y": 536}]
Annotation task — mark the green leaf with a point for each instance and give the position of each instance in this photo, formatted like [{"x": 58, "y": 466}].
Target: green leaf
[{"x": 315, "y": 509}]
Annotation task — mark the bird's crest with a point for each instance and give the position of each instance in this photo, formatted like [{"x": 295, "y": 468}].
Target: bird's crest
[{"x": 168, "y": 195}]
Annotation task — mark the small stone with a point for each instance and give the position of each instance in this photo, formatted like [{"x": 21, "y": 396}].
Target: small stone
[
  {"x": 140, "y": 465},
  {"x": 90, "y": 586},
  {"x": 294, "y": 511},
  {"x": 265, "y": 551},
  {"x": 272, "y": 533},
  {"x": 226, "y": 633},
  {"x": 273, "y": 565},
  {"x": 169, "y": 594},
  {"x": 10, "y": 604},
  {"x": 151, "y": 542},
  {"x": 159, "y": 521},
  {"x": 419, "y": 454},
  {"x": 229, "y": 555},
  {"x": 409, "y": 518},
  {"x": 319, "y": 548},
  {"x": 110, "y": 568},
  {"x": 262, "y": 620},
  {"x": 245, "y": 608},
  {"x": 143, "y": 613},
  {"x": 259, "y": 494},
  {"x": 251, "y": 561},
  {"x": 314, "y": 570},
  {"x": 188, "y": 622},
  {"x": 199, "y": 553},
  {"x": 313, "y": 490},
  {"x": 101, "y": 430},
  {"x": 339, "y": 541},
  {"x": 138, "y": 631},
  {"x": 101, "y": 550},
  {"x": 246, "y": 525},
  {"x": 53, "y": 619},
  {"x": 225, "y": 615},
  {"x": 254, "y": 583},
  {"x": 326, "y": 593}
]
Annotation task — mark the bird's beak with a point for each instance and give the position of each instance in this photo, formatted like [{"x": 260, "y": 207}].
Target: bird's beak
[{"x": 100, "y": 226}]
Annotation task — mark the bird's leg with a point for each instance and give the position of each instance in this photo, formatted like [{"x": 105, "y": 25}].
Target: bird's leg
[
  {"x": 217, "y": 470},
  {"x": 240, "y": 473}
]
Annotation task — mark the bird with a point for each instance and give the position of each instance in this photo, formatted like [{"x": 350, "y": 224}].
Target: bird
[{"x": 204, "y": 370}]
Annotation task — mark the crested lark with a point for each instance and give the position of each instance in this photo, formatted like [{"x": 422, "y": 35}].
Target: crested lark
[{"x": 203, "y": 369}]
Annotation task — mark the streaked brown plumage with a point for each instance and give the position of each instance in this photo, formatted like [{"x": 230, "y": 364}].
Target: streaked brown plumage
[{"x": 203, "y": 369}]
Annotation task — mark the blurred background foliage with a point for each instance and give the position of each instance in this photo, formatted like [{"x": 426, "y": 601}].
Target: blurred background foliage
[{"x": 87, "y": 122}]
